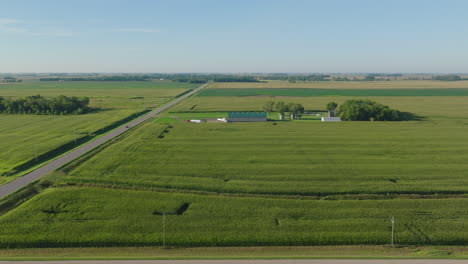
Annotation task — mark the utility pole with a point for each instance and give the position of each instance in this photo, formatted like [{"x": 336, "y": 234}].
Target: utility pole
[
  {"x": 35, "y": 150},
  {"x": 393, "y": 227},
  {"x": 164, "y": 230}
]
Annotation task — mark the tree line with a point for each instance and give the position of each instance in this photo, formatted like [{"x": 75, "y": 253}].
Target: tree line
[
  {"x": 295, "y": 110},
  {"x": 39, "y": 105},
  {"x": 367, "y": 110},
  {"x": 9, "y": 79},
  {"x": 446, "y": 78},
  {"x": 218, "y": 77},
  {"x": 214, "y": 78},
  {"x": 99, "y": 79},
  {"x": 191, "y": 78}
]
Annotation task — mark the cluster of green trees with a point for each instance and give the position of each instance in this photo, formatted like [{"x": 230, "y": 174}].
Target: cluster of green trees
[
  {"x": 9, "y": 79},
  {"x": 295, "y": 110},
  {"x": 190, "y": 80},
  {"x": 125, "y": 78},
  {"x": 39, "y": 105},
  {"x": 228, "y": 78},
  {"x": 367, "y": 110},
  {"x": 310, "y": 78},
  {"x": 446, "y": 78},
  {"x": 323, "y": 78},
  {"x": 331, "y": 106}
]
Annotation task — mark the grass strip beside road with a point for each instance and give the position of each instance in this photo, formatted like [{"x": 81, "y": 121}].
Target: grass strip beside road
[{"x": 309, "y": 252}]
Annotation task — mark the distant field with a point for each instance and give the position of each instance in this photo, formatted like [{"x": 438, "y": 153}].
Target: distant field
[
  {"x": 78, "y": 217},
  {"x": 24, "y": 136},
  {"x": 430, "y": 107},
  {"x": 429, "y": 99},
  {"x": 93, "y": 85},
  {"x": 346, "y": 85},
  {"x": 332, "y": 92},
  {"x": 103, "y": 94}
]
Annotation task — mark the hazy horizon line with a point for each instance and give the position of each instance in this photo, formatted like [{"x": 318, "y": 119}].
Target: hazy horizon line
[{"x": 182, "y": 72}]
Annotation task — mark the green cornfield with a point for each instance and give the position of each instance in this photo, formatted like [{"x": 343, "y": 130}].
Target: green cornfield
[
  {"x": 77, "y": 217},
  {"x": 23, "y": 137},
  {"x": 281, "y": 183}
]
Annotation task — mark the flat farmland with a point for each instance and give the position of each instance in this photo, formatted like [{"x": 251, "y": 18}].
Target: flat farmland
[
  {"x": 289, "y": 158},
  {"x": 138, "y": 95},
  {"x": 442, "y": 108},
  {"x": 428, "y": 99},
  {"x": 309, "y": 92},
  {"x": 404, "y": 84},
  {"x": 259, "y": 184},
  {"x": 22, "y": 137},
  {"x": 92, "y": 217}
]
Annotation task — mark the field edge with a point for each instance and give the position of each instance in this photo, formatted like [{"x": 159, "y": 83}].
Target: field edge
[{"x": 198, "y": 253}]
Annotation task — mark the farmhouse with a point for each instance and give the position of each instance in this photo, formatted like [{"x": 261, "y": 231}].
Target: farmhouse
[{"x": 247, "y": 117}]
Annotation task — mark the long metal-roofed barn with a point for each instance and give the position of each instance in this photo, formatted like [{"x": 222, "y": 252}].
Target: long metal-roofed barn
[{"x": 247, "y": 117}]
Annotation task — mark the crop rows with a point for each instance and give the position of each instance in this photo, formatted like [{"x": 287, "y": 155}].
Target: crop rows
[
  {"x": 22, "y": 137},
  {"x": 104, "y": 217},
  {"x": 268, "y": 183},
  {"x": 288, "y": 158}
]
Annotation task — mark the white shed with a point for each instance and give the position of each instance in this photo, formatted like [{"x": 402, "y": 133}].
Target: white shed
[{"x": 331, "y": 119}]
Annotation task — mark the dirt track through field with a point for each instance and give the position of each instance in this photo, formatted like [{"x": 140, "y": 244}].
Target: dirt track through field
[{"x": 20, "y": 182}]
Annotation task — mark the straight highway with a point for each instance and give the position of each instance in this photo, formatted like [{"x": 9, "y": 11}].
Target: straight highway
[{"x": 20, "y": 182}]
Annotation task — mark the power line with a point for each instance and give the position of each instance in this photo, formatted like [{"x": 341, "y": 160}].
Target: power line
[
  {"x": 35, "y": 150},
  {"x": 164, "y": 230}
]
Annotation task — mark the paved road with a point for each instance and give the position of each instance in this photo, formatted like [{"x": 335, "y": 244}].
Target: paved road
[
  {"x": 274, "y": 261},
  {"x": 20, "y": 182}
]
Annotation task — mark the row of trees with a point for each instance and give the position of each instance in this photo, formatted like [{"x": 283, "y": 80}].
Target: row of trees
[
  {"x": 9, "y": 79},
  {"x": 295, "y": 110},
  {"x": 191, "y": 78},
  {"x": 447, "y": 78},
  {"x": 39, "y": 105},
  {"x": 367, "y": 110},
  {"x": 125, "y": 78},
  {"x": 215, "y": 78},
  {"x": 252, "y": 77},
  {"x": 305, "y": 78}
]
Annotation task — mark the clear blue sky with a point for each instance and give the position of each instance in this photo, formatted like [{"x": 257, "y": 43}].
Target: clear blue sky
[{"x": 233, "y": 36}]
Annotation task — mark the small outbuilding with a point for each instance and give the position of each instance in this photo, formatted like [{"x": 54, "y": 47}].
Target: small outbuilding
[
  {"x": 247, "y": 117},
  {"x": 331, "y": 119}
]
